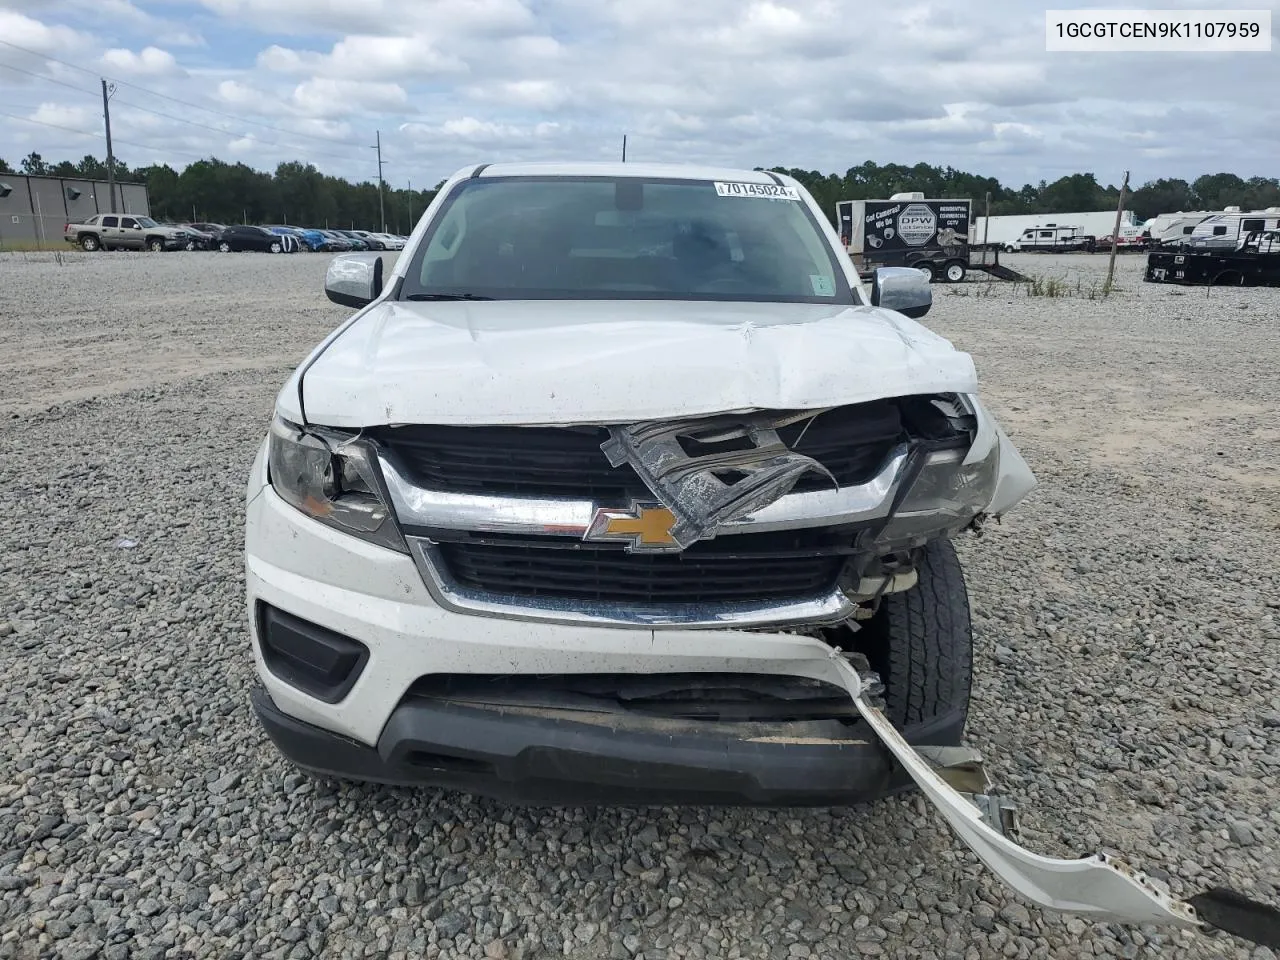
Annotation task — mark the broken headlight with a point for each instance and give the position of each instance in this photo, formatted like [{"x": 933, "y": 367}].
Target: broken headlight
[
  {"x": 946, "y": 496},
  {"x": 330, "y": 477}
]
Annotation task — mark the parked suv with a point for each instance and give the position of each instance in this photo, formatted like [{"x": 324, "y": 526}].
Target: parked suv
[
  {"x": 578, "y": 503},
  {"x": 107, "y": 231}
]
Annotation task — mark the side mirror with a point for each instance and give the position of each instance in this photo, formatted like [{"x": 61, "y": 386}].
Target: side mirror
[
  {"x": 137, "y": 226},
  {"x": 904, "y": 289},
  {"x": 354, "y": 279}
]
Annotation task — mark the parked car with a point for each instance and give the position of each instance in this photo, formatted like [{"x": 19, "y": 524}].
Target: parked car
[
  {"x": 235, "y": 239},
  {"x": 325, "y": 243},
  {"x": 389, "y": 241},
  {"x": 335, "y": 242},
  {"x": 370, "y": 238},
  {"x": 109, "y": 231},
  {"x": 595, "y": 488},
  {"x": 200, "y": 238},
  {"x": 307, "y": 239},
  {"x": 213, "y": 229},
  {"x": 357, "y": 242}
]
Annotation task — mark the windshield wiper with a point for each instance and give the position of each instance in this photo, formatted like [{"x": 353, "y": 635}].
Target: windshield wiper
[{"x": 447, "y": 296}]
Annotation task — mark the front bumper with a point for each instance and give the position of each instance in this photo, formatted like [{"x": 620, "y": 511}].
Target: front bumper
[
  {"x": 381, "y": 729},
  {"x": 551, "y": 757}
]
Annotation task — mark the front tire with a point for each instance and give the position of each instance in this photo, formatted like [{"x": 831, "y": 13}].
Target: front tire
[
  {"x": 155, "y": 245},
  {"x": 275, "y": 248},
  {"x": 224, "y": 247},
  {"x": 90, "y": 243},
  {"x": 920, "y": 641}
]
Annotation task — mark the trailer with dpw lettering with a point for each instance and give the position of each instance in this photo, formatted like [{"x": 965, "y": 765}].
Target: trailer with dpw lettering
[{"x": 907, "y": 231}]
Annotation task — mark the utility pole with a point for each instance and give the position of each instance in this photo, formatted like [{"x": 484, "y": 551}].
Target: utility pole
[
  {"x": 1115, "y": 234},
  {"x": 107, "y": 90},
  {"x": 410, "y": 206},
  {"x": 624, "y": 148},
  {"x": 382, "y": 212},
  {"x": 986, "y": 229}
]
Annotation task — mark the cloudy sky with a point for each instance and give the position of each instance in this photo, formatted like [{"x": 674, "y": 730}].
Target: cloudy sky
[{"x": 818, "y": 84}]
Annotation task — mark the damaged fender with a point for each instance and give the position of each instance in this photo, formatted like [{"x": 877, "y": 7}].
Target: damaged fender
[{"x": 1014, "y": 480}]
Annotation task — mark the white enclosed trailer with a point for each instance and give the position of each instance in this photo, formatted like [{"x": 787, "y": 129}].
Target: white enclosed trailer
[{"x": 1003, "y": 231}]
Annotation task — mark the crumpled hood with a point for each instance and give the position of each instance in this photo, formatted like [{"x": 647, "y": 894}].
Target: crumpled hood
[{"x": 558, "y": 362}]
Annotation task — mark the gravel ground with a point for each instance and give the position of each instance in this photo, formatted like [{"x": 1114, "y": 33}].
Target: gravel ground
[{"x": 1128, "y": 693}]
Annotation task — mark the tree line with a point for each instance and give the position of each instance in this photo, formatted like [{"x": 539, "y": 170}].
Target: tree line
[
  {"x": 1075, "y": 193},
  {"x": 297, "y": 193},
  {"x": 214, "y": 191}
]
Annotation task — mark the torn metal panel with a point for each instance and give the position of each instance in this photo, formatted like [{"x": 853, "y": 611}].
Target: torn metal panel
[{"x": 745, "y": 467}]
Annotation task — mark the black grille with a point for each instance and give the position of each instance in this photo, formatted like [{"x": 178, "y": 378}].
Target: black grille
[
  {"x": 852, "y": 442},
  {"x": 724, "y": 570}
]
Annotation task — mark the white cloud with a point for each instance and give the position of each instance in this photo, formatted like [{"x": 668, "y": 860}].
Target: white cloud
[
  {"x": 818, "y": 84},
  {"x": 41, "y": 37},
  {"x": 364, "y": 58},
  {"x": 324, "y": 96},
  {"x": 63, "y": 115},
  {"x": 149, "y": 62}
]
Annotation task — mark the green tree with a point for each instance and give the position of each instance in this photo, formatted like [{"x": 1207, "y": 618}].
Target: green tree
[
  {"x": 5, "y": 168},
  {"x": 1075, "y": 193},
  {"x": 1162, "y": 196},
  {"x": 33, "y": 165},
  {"x": 91, "y": 168},
  {"x": 1219, "y": 190}
]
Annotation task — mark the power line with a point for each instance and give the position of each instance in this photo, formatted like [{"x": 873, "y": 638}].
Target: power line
[
  {"x": 41, "y": 76},
  {"x": 56, "y": 126},
  {"x": 232, "y": 133},
  {"x": 99, "y": 136},
  {"x": 310, "y": 151},
  {"x": 185, "y": 103}
]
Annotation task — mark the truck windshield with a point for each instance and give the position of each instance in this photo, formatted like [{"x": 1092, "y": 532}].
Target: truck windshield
[
  {"x": 597, "y": 238},
  {"x": 147, "y": 222}
]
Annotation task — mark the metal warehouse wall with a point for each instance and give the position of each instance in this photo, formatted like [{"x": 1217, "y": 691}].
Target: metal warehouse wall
[{"x": 37, "y": 208}]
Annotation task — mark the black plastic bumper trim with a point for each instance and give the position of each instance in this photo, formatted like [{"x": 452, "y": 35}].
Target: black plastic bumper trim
[
  {"x": 519, "y": 757},
  {"x": 318, "y": 661}
]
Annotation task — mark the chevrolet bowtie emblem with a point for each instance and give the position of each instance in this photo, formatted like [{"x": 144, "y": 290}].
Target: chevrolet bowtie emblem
[{"x": 644, "y": 527}]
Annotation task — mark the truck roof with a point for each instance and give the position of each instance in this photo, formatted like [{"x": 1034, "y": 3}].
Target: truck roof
[{"x": 582, "y": 168}]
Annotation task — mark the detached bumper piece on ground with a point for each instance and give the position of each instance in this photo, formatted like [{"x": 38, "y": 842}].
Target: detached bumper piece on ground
[{"x": 1097, "y": 887}]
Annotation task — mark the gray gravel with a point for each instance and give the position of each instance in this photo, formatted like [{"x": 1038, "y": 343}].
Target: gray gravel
[{"x": 1128, "y": 695}]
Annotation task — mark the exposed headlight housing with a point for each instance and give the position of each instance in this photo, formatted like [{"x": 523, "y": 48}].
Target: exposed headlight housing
[
  {"x": 946, "y": 496},
  {"x": 330, "y": 476}
]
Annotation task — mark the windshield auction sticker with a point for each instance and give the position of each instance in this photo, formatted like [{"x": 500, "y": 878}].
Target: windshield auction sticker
[
  {"x": 769, "y": 191},
  {"x": 1174, "y": 31}
]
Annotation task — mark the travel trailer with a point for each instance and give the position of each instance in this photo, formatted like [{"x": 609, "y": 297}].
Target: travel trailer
[
  {"x": 1226, "y": 231},
  {"x": 1001, "y": 232},
  {"x": 1052, "y": 239}
]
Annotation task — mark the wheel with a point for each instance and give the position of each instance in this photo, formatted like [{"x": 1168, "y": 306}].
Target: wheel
[
  {"x": 224, "y": 247},
  {"x": 155, "y": 245},
  {"x": 920, "y": 641},
  {"x": 275, "y": 247},
  {"x": 927, "y": 269},
  {"x": 955, "y": 271},
  {"x": 90, "y": 242},
  {"x": 191, "y": 245},
  {"x": 1010, "y": 248}
]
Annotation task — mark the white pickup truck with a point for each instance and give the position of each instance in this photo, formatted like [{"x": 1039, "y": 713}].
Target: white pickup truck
[
  {"x": 547, "y": 517},
  {"x": 622, "y": 487}
]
